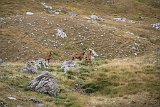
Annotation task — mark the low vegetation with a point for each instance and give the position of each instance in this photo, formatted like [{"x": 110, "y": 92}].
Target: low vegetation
[
  {"x": 121, "y": 81},
  {"x": 125, "y": 74}
]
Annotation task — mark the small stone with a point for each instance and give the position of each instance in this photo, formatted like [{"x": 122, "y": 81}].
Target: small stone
[
  {"x": 29, "y": 13},
  {"x": 12, "y": 98}
]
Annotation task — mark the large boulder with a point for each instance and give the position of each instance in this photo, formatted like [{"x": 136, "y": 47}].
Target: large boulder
[{"x": 45, "y": 83}]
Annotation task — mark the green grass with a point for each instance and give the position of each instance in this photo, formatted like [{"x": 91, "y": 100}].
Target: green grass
[
  {"x": 67, "y": 100},
  {"x": 101, "y": 80}
]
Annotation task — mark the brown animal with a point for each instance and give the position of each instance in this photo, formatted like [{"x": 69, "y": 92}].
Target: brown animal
[
  {"x": 48, "y": 57},
  {"x": 88, "y": 56},
  {"x": 79, "y": 56}
]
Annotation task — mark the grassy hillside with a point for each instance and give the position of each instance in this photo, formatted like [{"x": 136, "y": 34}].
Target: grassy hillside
[
  {"x": 126, "y": 73},
  {"x": 115, "y": 83}
]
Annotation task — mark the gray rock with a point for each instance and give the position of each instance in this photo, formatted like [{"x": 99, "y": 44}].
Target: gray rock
[
  {"x": 34, "y": 100},
  {"x": 156, "y": 26},
  {"x": 1, "y": 61},
  {"x": 46, "y": 6},
  {"x": 11, "y": 98},
  {"x": 41, "y": 63},
  {"x": 45, "y": 83},
  {"x": 61, "y": 33},
  {"x": 32, "y": 67},
  {"x": 37, "y": 102},
  {"x": 120, "y": 19},
  {"x": 29, "y": 13},
  {"x": 69, "y": 66},
  {"x": 72, "y": 14},
  {"x": 94, "y": 18}
]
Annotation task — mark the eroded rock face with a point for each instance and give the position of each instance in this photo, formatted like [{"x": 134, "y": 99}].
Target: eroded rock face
[{"x": 45, "y": 83}]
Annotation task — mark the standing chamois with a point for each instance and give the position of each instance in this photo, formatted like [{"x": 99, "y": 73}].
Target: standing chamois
[
  {"x": 48, "y": 57},
  {"x": 79, "y": 56}
]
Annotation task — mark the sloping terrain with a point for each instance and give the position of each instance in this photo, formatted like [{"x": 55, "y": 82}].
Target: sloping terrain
[
  {"x": 117, "y": 83},
  {"x": 125, "y": 74},
  {"x": 31, "y": 36}
]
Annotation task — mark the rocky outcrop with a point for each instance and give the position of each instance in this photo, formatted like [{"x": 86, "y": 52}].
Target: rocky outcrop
[
  {"x": 29, "y": 68},
  {"x": 32, "y": 67},
  {"x": 45, "y": 83},
  {"x": 69, "y": 66}
]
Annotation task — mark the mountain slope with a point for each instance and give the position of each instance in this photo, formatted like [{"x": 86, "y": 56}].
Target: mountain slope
[{"x": 30, "y": 36}]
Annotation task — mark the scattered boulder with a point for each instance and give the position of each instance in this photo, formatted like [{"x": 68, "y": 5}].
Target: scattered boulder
[
  {"x": 46, "y": 6},
  {"x": 29, "y": 13},
  {"x": 1, "y": 61},
  {"x": 61, "y": 33},
  {"x": 95, "y": 18},
  {"x": 37, "y": 102},
  {"x": 41, "y": 63},
  {"x": 30, "y": 68},
  {"x": 120, "y": 19},
  {"x": 12, "y": 98},
  {"x": 45, "y": 83},
  {"x": 156, "y": 26},
  {"x": 72, "y": 14},
  {"x": 51, "y": 10},
  {"x": 34, "y": 100},
  {"x": 69, "y": 66},
  {"x": 33, "y": 67}
]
